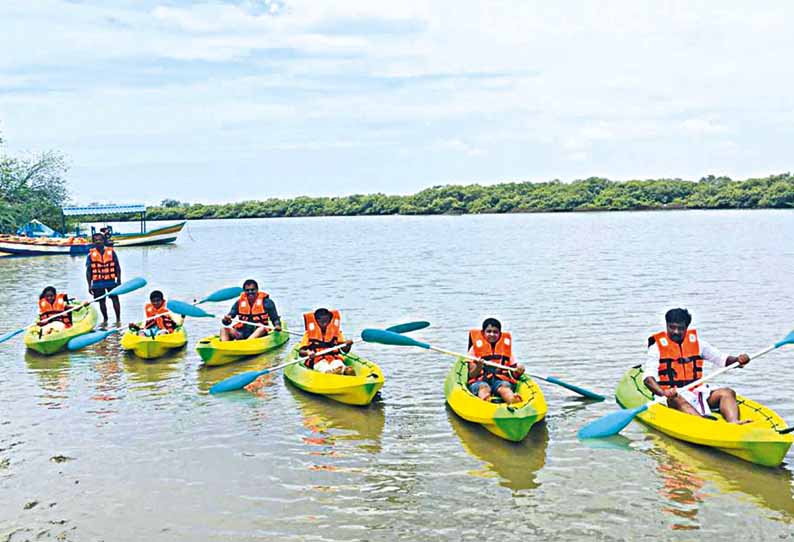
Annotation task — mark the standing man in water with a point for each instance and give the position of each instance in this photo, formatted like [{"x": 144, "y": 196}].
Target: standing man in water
[
  {"x": 103, "y": 273},
  {"x": 675, "y": 360}
]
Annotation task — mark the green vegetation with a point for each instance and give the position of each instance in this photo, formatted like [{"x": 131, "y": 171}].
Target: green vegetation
[
  {"x": 593, "y": 194},
  {"x": 31, "y": 187}
]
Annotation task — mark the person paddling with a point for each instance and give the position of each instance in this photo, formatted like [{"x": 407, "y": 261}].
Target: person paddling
[
  {"x": 50, "y": 304},
  {"x": 252, "y": 306},
  {"x": 675, "y": 359},
  {"x": 323, "y": 330},
  {"x": 103, "y": 273},
  {"x": 156, "y": 325},
  {"x": 492, "y": 344}
]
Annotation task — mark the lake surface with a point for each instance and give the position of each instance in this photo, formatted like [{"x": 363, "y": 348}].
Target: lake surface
[{"x": 150, "y": 455}]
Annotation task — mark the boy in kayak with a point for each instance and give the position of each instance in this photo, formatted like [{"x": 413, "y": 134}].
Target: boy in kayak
[
  {"x": 675, "y": 359},
  {"x": 103, "y": 273},
  {"x": 323, "y": 330},
  {"x": 50, "y": 304},
  {"x": 154, "y": 324},
  {"x": 492, "y": 344},
  {"x": 252, "y": 306}
]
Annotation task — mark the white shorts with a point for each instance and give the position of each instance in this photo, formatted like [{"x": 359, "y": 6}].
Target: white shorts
[
  {"x": 698, "y": 398},
  {"x": 53, "y": 327},
  {"x": 327, "y": 367}
]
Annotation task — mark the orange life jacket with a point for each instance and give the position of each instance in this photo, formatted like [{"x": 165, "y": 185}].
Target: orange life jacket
[
  {"x": 679, "y": 365},
  {"x": 255, "y": 313},
  {"x": 501, "y": 353},
  {"x": 58, "y": 305},
  {"x": 162, "y": 322},
  {"x": 317, "y": 340},
  {"x": 102, "y": 265}
]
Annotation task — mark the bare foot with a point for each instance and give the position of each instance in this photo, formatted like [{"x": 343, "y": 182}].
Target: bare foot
[
  {"x": 516, "y": 398},
  {"x": 349, "y": 371},
  {"x": 742, "y": 422}
]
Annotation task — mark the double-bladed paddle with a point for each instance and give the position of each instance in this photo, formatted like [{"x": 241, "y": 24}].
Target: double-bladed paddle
[
  {"x": 399, "y": 328},
  {"x": 387, "y": 337},
  {"x": 241, "y": 380},
  {"x": 121, "y": 289},
  {"x": 612, "y": 423}
]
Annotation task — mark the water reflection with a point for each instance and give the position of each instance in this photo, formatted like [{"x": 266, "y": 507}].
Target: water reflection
[
  {"x": 152, "y": 371},
  {"x": 53, "y": 375},
  {"x": 515, "y": 463},
  {"x": 210, "y": 375}
]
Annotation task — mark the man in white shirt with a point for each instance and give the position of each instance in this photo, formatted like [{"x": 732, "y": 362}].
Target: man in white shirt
[{"x": 675, "y": 359}]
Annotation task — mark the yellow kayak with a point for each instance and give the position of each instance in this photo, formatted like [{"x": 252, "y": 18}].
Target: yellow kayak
[
  {"x": 759, "y": 441},
  {"x": 358, "y": 389},
  {"x": 511, "y": 422},
  {"x": 214, "y": 351},
  {"x": 83, "y": 321},
  {"x": 154, "y": 347}
]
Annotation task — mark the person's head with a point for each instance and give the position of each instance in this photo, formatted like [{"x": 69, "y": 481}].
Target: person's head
[
  {"x": 157, "y": 298},
  {"x": 49, "y": 294},
  {"x": 323, "y": 317},
  {"x": 678, "y": 321},
  {"x": 250, "y": 287},
  {"x": 98, "y": 239},
  {"x": 492, "y": 330}
]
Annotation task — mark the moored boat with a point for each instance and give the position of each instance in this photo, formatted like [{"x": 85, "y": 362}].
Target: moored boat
[
  {"x": 146, "y": 347},
  {"x": 83, "y": 321},
  {"x": 510, "y": 422},
  {"x": 358, "y": 389},
  {"x": 760, "y": 441}
]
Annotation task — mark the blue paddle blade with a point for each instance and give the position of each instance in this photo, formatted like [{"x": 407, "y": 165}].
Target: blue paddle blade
[
  {"x": 788, "y": 339},
  {"x": 574, "y": 388},
  {"x": 180, "y": 307},
  {"x": 611, "y": 424},
  {"x": 223, "y": 294},
  {"x": 407, "y": 327},
  {"x": 88, "y": 339},
  {"x": 129, "y": 286},
  {"x": 387, "y": 337},
  {"x": 11, "y": 335},
  {"x": 237, "y": 382}
]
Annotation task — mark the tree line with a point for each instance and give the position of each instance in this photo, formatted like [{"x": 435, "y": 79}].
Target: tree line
[{"x": 592, "y": 194}]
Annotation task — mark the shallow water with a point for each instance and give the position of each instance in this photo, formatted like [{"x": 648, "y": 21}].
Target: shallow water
[{"x": 143, "y": 452}]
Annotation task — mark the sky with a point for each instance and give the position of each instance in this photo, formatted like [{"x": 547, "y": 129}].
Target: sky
[{"x": 223, "y": 101}]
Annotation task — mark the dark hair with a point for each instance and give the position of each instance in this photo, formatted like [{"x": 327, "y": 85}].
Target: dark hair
[
  {"x": 156, "y": 293},
  {"x": 678, "y": 316},
  {"x": 322, "y": 312},
  {"x": 492, "y": 322},
  {"x": 48, "y": 289},
  {"x": 250, "y": 281},
  {"x": 98, "y": 234}
]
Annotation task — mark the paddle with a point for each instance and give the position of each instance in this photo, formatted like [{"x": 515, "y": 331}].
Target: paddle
[
  {"x": 612, "y": 423},
  {"x": 224, "y": 294},
  {"x": 386, "y": 337},
  {"x": 238, "y": 382},
  {"x": 121, "y": 289},
  {"x": 399, "y": 328}
]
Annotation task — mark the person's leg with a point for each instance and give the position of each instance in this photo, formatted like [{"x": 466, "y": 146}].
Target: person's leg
[
  {"x": 258, "y": 332},
  {"x": 505, "y": 391},
  {"x": 116, "y": 307},
  {"x": 679, "y": 403},
  {"x": 481, "y": 390},
  {"x": 226, "y": 334},
  {"x": 724, "y": 400}
]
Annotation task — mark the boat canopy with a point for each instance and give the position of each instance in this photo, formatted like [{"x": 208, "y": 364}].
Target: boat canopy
[
  {"x": 106, "y": 210},
  {"x": 34, "y": 228}
]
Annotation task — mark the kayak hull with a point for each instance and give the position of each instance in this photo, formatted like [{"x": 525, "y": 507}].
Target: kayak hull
[
  {"x": 154, "y": 347},
  {"x": 214, "y": 352},
  {"x": 758, "y": 442},
  {"x": 83, "y": 321},
  {"x": 358, "y": 389},
  {"x": 510, "y": 422}
]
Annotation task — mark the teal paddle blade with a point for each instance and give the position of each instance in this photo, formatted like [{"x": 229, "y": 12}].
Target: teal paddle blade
[
  {"x": 129, "y": 286},
  {"x": 237, "y": 382},
  {"x": 11, "y": 335},
  {"x": 88, "y": 339},
  {"x": 408, "y": 327},
  {"x": 387, "y": 337},
  {"x": 576, "y": 389},
  {"x": 224, "y": 294},
  {"x": 611, "y": 424},
  {"x": 788, "y": 339},
  {"x": 180, "y": 307}
]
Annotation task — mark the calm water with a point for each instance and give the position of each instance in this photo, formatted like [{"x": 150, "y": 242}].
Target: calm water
[{"x": 152, "y": 456}]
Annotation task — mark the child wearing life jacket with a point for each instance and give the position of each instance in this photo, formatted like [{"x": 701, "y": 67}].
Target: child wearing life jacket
[
  {"x": 158, "y": 318},
  {"x": 323, "y": 331},
  {"x": 492, "y": 344},
  {"x": 51, "y": 304}
]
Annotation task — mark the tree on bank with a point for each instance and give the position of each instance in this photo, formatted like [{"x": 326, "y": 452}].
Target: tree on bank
[{"x": 31, "y": 187}]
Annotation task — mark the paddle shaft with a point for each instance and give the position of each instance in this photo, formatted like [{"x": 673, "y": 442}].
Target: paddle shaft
[
  {"x": 472, "y": 358},
  {"x": 299, "y": 360}
]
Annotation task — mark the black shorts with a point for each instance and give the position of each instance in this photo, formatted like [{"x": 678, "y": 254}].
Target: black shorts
[{"x": 96, "y": 292}]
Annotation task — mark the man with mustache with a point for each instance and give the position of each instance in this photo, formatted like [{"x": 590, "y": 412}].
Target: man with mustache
[{"x": 675, "y": 359}]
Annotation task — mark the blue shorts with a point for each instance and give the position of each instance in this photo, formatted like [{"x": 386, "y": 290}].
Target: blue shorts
[{"x": 495, "y": 384}]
